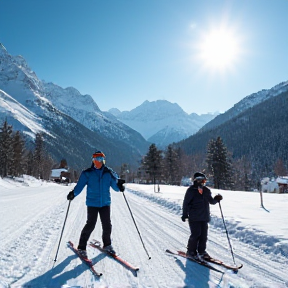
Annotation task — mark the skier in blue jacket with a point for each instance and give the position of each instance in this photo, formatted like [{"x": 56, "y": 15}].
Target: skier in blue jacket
[{"x": 98, "y": 179}]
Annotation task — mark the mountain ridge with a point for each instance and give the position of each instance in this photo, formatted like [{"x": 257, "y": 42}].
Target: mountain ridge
[
  {"x": 258, "y": 134},
  {"x": 246, "y": 103},
  {"x": 156, "y": 118},
  {"x": 23, "y": 94}
]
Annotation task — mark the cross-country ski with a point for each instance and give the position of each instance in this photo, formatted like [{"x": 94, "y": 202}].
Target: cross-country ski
[
  {"x": 182, "y": 254},
  {"x": 96, "y": 244},
  {"x": 86, "y": 261},
  {"x": 206, "y": 262}
]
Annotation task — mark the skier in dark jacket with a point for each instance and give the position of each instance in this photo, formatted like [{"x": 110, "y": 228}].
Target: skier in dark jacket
[
  {"x": 98, "y": 178},
  {"x": 196, "y": 209}
]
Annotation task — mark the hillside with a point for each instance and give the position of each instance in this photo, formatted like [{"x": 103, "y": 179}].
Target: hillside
[
  {"x": 260, "y": 133},
  {"x": 72, "y": 124},
  {"x": 245, "y": 104}
]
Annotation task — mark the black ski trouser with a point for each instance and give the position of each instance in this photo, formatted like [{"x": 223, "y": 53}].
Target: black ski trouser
[
  {"x": 198, "y": 238},
  {"x": 92, "y": 214}
]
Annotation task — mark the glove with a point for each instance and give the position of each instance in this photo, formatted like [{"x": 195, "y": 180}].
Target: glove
[
  {"x": 218, "y": 197},
  {"x": 120, "y": 185},
  {"x": 70, "y": 196},
  {"x": 183, "y": 218}
]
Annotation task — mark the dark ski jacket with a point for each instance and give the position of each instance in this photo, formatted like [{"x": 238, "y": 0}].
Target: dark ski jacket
[
  {"x": 98, "y": 183},
  {"x": 196, "y": 205}
]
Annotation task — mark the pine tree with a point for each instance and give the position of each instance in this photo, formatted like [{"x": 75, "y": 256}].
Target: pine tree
[
  {"x": 152, "y": 163},
  {"x": 38, "y": 157},
  {"x": 29, "y": 163},
  {"x": 18, "y": 155},
  {"x": 218, "y": 164},
  {"x": 42, "y": 161},
  {"x": 171, "y": 166},
  {"x": 5, "y": 148}
]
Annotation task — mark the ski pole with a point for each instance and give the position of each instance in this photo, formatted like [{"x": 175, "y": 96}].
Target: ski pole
[
  {"x": 149, "y": 257},
  {"x": 227, "y": 233},
  {"x": 62, "y": 231}
]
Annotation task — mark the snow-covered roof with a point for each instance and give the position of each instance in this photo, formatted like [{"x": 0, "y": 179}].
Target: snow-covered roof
[
  {"x": 57, "y": 172},
  {"x": 282, "y": 180}
]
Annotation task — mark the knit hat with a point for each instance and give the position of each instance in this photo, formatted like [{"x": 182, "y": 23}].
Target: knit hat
[
  {"x": 199, "y": 176},
  {"x": 98, "y": 154},
  {"x": 98, "y": 159}
]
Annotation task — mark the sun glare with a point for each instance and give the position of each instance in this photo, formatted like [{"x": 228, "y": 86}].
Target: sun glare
[{"x": 218, "y": 49}]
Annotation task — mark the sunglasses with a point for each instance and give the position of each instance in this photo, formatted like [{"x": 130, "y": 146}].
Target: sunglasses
[
  {"x": 99, "y": 159},
  {"x": 201, "y": 180}
]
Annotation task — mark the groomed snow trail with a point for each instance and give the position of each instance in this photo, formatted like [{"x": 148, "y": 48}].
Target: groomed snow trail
[{"x": 31, "y": 224}]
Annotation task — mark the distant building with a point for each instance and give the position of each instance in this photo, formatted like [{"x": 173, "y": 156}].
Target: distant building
[
  {"x": 269, "y": 186},
  {"x": 283, "y": 184},
  {"x": 60, "y": 175}
]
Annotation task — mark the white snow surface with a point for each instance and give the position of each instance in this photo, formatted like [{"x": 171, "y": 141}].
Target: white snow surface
[
  {"x": 32, "y": 214},
  {"x": 26, "y": 117}
]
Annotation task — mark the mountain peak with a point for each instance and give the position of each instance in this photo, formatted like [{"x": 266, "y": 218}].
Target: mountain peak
[
  {"x": 159, "y": 109},
  {"x": 4, "y": 53},
  {"x": 161, "y": 121},
  {"x": 69, "y": 97},
  {"x": 114, "y": 111},
  {"x": 161, "y": 104},
  {"x": 2, "y": 49},
  {"x": 20, "y": 61}
]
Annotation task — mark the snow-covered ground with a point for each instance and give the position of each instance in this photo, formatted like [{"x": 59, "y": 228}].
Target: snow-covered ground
[{"x": 32, "y": 214}]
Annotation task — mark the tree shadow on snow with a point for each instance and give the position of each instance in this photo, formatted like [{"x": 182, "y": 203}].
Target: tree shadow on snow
[
  {"x": 197, "y": 276},
  {"x": 55, "y": 278}
]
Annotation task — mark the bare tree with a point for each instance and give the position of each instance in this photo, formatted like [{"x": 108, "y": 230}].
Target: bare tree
[{"x": 279, "y": 168}]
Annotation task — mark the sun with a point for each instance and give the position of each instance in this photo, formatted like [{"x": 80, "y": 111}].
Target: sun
[{"x": 218, "y": 49}]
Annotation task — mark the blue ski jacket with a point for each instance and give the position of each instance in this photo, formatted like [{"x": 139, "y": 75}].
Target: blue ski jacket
[{"x": 98, "y": 183}]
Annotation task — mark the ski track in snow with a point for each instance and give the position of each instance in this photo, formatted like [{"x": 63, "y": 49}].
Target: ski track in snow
[{"x": 31, "y": 223}]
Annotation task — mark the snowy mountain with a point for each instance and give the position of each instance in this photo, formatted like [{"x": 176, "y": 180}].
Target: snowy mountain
[
  {"x": 19, "y": 115},
  {"x": 83, "y": 109},
  {"x": 246, "y": 103},
  {"x": 30, "y": 237},
  {"x": 33, "y": 106},
  {"x": 162, "y": 122},
  {"x": 258, "y": 134}
]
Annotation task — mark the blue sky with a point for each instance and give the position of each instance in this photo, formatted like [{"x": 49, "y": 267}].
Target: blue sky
[{"x": 123, "y": 52}]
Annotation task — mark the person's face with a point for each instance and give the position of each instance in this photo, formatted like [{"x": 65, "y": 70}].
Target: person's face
[{"x": 98, "y": 161}]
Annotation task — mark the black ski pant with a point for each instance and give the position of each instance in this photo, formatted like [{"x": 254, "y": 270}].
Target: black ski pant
[
  {"x": 198, "y": 238},
  {"x": 92, "y": 214}
]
